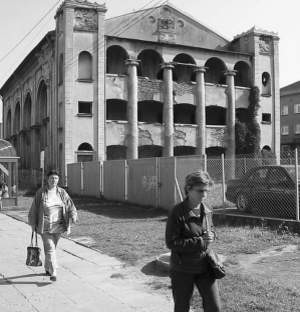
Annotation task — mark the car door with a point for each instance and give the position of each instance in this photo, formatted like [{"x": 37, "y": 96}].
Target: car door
[
  {"x": 256, "y": 187},
  {"x": 281, "y": 193}
]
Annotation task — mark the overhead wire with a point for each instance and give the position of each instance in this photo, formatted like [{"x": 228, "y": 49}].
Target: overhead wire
[
  {"x": 120, "y": 29},
  {"x": 29, "y": 32}
]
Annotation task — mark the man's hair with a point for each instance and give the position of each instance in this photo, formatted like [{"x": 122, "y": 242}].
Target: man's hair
[
  {"x": 198, "y": 177},
  {"x": 52, "y": 172}
]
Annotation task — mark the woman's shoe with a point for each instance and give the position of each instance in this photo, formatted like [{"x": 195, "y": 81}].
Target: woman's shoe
[{"x": 53, "y": 278}]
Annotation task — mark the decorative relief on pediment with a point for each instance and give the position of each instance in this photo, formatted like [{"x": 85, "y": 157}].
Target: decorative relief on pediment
[
  {"x": 167, "y": 25},
  {"x": 264, "y": 45},
  {"x": 85, "y": 20}
]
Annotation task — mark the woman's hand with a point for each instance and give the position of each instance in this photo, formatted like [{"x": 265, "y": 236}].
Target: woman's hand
[
  {"x": 208, "y": 237},
  {"x": 74, "y": 219}
]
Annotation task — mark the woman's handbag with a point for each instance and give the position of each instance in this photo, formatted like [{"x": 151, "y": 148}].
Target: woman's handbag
[
  {"x": 33, "y": 253},
  {"x": 215, "y": 264}
]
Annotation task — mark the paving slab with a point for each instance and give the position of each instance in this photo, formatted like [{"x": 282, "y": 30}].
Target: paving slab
[{"x": 88, "y": 280}]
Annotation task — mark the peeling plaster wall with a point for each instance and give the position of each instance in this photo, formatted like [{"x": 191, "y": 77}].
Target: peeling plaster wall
[{"x": 185, "y": 135}]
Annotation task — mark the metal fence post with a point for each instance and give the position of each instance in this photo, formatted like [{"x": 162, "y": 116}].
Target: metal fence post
[
  {"x": 223, "y": 179},
  {"x": 157, "y": 184},
  {"x": 297, "y": 188},
  {"x": 125, "y": 180},
  {"x": 101, "y": 178},
  {"x": 205, "y": 162},
  {"x": 81, "y": 178}
]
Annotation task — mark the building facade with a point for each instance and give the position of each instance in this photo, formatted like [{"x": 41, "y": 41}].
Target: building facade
[
  {"x": 150, "y": 83},
  {"x": 290, "y": 117}
]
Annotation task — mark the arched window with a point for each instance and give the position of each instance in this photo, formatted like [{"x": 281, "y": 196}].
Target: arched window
[
  {"x": 85, "y": 147},
  {"x": 215, "y": 71},
  {"x": 243, "y": 75},
  {"x": 116, "y": 57},
  {"x": 16, "y": 125},
  {"x": 85, "y": 152},
  {"x": 150, "y": 64},
  {"x": 60, "y": 69},
  {"x": 85, "y": 66},
  {"x": 266, "y": 84},
  {"x": 27, "y": 112},
  {"x": 183, "y": 73},
  {"x": 8, "y": 124}
]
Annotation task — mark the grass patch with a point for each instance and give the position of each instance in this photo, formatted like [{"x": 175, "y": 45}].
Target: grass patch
[{"x": 132, "y": 234}]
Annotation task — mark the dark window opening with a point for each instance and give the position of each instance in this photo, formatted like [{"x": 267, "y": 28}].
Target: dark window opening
[
  {"x": 243, "y": 75},
  {"x": 149, "y": 151},
  {"x": 116, "y": 58},
  {"x": 150, "y": 111},
  {"x": 84, "y": 157},
  {"x": 116, "y": 109},
  {"x": 215, "y": 115},
  {"x": 266, "y": 84},
  {"x": 116, "y": 152},
  {"x": 184, "y": 73},
  {"x": 85, "y": 108},
  {"x": 215, "y": 71},
  {"x": 266, "y": 118},
  {"x": 184, "y": 113},
  {"x": 150, "y": 64},
  {"x": 184, "y": 150},
  {"x": 85, "y": 147}
]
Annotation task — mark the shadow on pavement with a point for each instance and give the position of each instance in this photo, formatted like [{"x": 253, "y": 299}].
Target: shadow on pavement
[{"x": 9, "y": 280}]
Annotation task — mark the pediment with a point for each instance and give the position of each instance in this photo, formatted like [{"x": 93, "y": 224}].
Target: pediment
[{"x": 164, "y": 24}]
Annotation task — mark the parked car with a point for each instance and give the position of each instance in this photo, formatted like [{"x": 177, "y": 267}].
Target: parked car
[{"x": 265, "y": 190}]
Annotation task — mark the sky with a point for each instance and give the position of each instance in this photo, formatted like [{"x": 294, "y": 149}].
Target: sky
[{"x": 228, "y": 18}]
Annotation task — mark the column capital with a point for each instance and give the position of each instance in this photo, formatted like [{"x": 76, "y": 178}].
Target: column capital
[
  {"x": 167, "y": 66},
  {"x": 132, "y": 62},
  {"x": 201, "y": 69},
  {"x": 230, "y": 72}
]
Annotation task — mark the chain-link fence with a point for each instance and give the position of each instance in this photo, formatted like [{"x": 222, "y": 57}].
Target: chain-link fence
[
  {"x": 265, "y": 187},
  {"x": 260, "y": 186}
]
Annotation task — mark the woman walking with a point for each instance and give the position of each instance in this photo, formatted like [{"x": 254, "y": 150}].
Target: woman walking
[
  {"x": 50, "y": 215},
  {"x": 188, "y": 236}
]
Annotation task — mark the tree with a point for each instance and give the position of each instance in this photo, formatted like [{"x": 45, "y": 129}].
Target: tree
[{"x": 247, "y": 133}]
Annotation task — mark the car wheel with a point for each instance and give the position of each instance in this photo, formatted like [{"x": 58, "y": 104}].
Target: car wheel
[{"x": 242, "y": 202}]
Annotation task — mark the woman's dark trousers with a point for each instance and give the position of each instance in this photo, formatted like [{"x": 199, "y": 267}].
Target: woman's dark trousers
[{"x": 183, "y": 286}]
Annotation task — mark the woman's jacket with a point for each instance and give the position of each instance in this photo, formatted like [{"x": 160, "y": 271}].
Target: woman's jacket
[
  {"x": 36, "y": 212},
  {"x": 184, "y": 237}
]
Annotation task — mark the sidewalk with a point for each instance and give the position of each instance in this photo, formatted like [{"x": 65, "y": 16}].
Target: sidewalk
[{"x": 87, "y": 280}]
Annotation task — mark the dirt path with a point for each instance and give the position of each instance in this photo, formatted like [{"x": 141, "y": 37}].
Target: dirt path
[{"x": 279, "y": 264}]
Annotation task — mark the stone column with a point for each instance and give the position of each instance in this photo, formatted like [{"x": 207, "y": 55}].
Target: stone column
[
  {"x": 230, "y": 122},
  {"x": 168, "y": 110},
  {"x": 132, "y": 110},
  {"x": 200, "y": 111}
]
